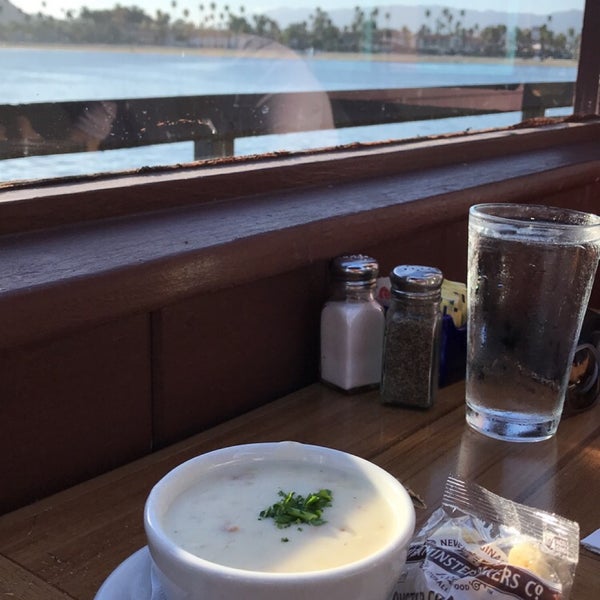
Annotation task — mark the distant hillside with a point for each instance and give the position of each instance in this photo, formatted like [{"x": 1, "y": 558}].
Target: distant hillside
[
  {"x": 9, "y": 13},
  {"x": 414, "y": 17}
]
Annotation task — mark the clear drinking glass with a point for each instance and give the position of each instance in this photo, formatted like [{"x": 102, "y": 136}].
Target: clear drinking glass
[{"x": 530, "y": 273}]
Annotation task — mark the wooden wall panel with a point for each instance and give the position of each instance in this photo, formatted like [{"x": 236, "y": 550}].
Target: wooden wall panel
[
  {"x": 73, "y": 408},
  {"x": 442, "y": 246},
  {"x": 221, "y": 354}
]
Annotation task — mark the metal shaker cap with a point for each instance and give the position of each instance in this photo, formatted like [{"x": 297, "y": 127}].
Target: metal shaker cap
[
  {"x": 356, "y": 269},
  {"x": 416, "y": 279}
]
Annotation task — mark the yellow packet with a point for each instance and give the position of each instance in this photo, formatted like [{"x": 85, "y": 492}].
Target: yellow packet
[{"x": 454, "y": 302}]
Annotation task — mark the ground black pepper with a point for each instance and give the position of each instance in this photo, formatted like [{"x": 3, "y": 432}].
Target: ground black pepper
[{"x": 412, "y": 337}]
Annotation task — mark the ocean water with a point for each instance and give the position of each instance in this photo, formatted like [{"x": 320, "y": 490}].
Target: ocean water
[{"x": 42, "y": 75}]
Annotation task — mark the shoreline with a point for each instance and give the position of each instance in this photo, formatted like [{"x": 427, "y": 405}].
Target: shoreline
[{"x": 277, "y": 51}]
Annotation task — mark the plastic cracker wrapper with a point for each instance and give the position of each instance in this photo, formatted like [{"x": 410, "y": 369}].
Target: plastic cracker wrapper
[{"x": 479, "y": 545}]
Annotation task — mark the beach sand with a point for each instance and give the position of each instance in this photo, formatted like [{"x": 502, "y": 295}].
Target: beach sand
[{"x": 269, "y": 49}]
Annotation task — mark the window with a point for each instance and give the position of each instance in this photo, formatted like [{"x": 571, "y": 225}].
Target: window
[{"x": 91, "y": 89}]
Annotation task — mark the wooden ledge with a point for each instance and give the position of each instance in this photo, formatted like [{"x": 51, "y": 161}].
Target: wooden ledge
[
  {"x": 61, "y": 279},
  {"x": 53, "y": 203}
]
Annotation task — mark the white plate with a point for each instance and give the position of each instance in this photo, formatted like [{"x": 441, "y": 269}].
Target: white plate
[{"x": 131, "y": 580}]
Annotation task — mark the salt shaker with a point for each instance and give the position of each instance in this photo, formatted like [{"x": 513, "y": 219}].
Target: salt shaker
[
  {"x": 352, "y": 326},
  {"x": 412, "y": 337}
]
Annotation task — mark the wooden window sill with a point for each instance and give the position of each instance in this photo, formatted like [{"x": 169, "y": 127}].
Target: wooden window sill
[{"x": 84, "y": 253}]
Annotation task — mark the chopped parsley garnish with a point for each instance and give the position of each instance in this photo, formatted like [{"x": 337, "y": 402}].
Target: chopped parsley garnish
[{"x": 294, "y": 509}]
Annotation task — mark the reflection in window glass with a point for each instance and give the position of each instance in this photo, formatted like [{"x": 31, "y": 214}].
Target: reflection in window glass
[{"x": 98, "y": 87}]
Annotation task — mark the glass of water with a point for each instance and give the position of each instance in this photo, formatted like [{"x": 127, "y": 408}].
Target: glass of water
[{"x": 530, "y": 273}]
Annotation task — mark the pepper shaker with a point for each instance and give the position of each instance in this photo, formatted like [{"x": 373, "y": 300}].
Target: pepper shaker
[
  {"x": 352, "y": 326},
  {"x": 412, "y": 337}
]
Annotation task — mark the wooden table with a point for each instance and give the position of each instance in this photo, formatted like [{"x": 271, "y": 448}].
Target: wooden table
[{"x": 63, "y": 547}]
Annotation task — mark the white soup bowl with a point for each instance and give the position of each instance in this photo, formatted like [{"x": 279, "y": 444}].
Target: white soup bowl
[{"x": 182, "y": 574}]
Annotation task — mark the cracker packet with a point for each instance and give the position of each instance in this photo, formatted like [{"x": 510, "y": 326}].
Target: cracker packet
[{"x": 479, "y": 545}]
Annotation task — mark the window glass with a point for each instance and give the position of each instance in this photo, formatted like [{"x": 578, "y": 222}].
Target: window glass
[{"x": 95, "y": 86}]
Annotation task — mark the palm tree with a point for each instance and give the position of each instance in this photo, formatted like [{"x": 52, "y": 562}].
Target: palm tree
[
  {"x": 388, "y": 31},
  {"x": 449, "y": 18},
  {"x": 357, "y": 28},
  {"x": 573, "y": 39}
]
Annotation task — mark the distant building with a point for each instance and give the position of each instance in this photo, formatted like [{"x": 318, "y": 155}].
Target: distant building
[{"x": 401, "y": 41}]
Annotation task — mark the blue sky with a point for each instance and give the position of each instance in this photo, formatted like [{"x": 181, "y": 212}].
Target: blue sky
[{"x": 57, "y": 7}]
